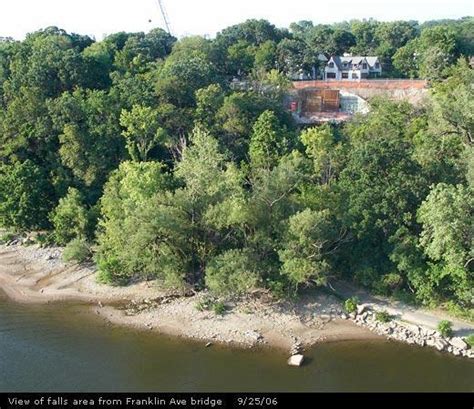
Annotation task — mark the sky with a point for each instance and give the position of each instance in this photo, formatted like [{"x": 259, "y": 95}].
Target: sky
[{"x": 206, "y": 17}]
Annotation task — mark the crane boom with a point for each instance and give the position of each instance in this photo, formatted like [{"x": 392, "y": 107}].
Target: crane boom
[{"x": 164, "y": 15}]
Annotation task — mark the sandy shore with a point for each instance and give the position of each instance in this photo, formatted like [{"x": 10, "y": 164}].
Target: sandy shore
[{"x": 35, "y": 275}]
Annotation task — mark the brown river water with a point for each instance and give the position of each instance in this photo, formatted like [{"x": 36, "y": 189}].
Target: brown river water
[{"x": 62, "y": 347}]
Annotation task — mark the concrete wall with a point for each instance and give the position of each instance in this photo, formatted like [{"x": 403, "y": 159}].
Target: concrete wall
[{"x": 352, "y": 103}]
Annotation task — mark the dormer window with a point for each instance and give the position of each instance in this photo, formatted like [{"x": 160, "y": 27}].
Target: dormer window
[{"x": 364, "y": 66}]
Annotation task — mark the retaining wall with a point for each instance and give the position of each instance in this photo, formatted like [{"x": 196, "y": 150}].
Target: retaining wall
[{"x": 413, "y": 91}]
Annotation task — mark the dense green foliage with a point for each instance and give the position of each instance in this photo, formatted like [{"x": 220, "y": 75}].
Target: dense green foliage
[
  {"x": 445, "y": 328},
  {"x": 77, "y": 250},
  {"x": 350, "y": 305},
  {"x": 383, "y": 316},
  {"x": 24, "y": 196},
  {"x": 70, "y": 218},
  {"x": 143, "y": 148}
]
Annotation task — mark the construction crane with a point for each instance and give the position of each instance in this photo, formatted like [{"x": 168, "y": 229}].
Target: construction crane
[{"x": 164, "y": 15}]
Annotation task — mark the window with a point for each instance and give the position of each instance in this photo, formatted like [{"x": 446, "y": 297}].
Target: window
[
  {"x": 345, "y": 75},
  {"x": 331, "y": 65},
  {"x": 364, "y": 66},
  {"x": 354, "y": 76},
  {"x": 331, "y": 75},
  {"x": 377, "y": 65}
]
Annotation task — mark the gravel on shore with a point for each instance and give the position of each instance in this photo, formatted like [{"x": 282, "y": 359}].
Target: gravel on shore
[{"x": 31, "y": 274}]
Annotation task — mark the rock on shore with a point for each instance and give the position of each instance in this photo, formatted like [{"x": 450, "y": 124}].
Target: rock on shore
[
  {"x": 296, "y": 360},
  {"x": 409, "y": 333}
]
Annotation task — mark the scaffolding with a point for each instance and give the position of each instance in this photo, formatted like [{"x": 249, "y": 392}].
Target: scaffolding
[{"x": 165, "y": 16}]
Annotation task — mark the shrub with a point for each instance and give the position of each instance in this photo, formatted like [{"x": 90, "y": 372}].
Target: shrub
[
  {"x": 445, "y": 328},
  {"x": 366, "y": 276},
  {"x": 461, "y": 311},
  {"x": 6, "y": 237},
  {"x": 219, "y": 308},
  {"x": 210, "y": 303},
  {"x": 383, "y": 316},
  {"x": 111, "y": 271},
  {"x": 278, "y": 288},
  {"x": 45, "y": 239},
  {"x": 388, "y": 283},
  {"x": 350, "y": 305},
  {"x": 231, "y": 273},
  {"x": 77, "y": 250},
  {"x": 205, "y": 304},
  {"x": 470, "y": 340}
]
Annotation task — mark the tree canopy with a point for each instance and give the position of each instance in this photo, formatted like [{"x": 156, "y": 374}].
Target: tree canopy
[{"x": 177, "y": 160}]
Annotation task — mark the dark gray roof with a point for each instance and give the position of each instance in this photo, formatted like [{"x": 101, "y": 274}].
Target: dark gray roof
[{"x": 353, "y": 59}]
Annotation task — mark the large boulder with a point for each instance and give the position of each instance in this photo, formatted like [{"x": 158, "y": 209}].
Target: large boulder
[
  {"x": 459, "y": 343},
  {"x": 296, "y": 360},
  {"x": 360, "y": 309},
  {"x": 440, "y": 344},
  {"x": 402, "y": 336},
  {"x": 430, "y": 342}
]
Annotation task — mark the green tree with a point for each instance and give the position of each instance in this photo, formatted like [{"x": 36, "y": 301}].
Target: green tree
[
  {"x": 25, "y": 196},
  {"x": 391, "y": 36},
  {"x": 241, "y": 58},
  {"x": 295, "y": 56},
  {"x": 89, "y": 137},
  {"x": 139, "y": 229},
  {"x": 253, "y": 31},
  {"x": 444, "y": 138},
  {"x": 49, "y": 61},
  {"x": 311, "y": 238},
  {"x": 142, "y": 132},
  {"x": 212, "y": 197},
  {"x": 381, "y": 187},
  {"x": 447, "y": 240},
  {"x": 237, "y": 115},
  {"x": 429, "y": 55},
  {"x": 323, "y": 148},
  {"x": 70, "y": 218},
  {"x": 188, "y": 68},
  {"x": 273, "y": 198},
  {"x": 26, "y": 130},
  {"x": 232, "y": 273},
  {"x": 406, "y": 60},
  {"x": 265, "y": 56},
  {"x": 453, "y": 104},
  {"x": 135, "y": 50},
  {"x": 268, "y": 142},
  {"x": 208, "y": 102},
  {"x": 365, "y": 33}
]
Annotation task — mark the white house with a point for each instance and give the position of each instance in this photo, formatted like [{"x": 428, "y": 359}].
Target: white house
[{"x": 353, "y": 68}]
